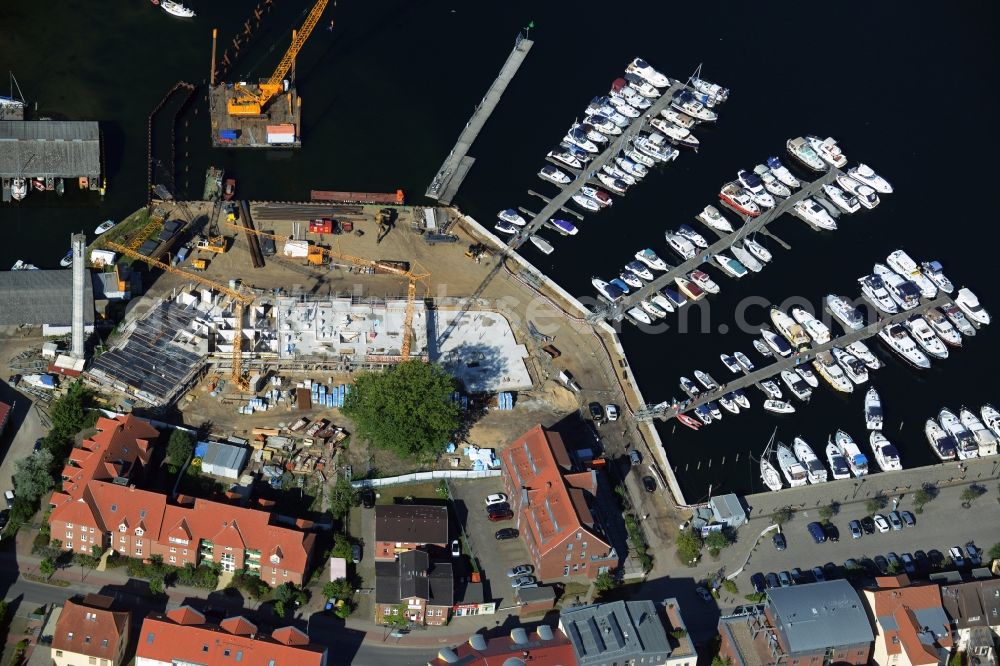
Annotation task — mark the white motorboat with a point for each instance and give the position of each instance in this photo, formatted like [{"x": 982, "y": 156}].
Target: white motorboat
[
  {"x": 703, "y": 280},
  {"x": 595, "y": 135},
  {"x": 795, "y": 384},
  {"x": 631, "y": 279},
  {"x": 632, "y": 96},
  {"x": 956, "y": 317},
  {"x": 815, "y": 329},
  {"x": 807, "y": 375},
  {"x": 640, "y": 269},
  {"x": 757, "y": 250},
  {"x": 19, "y": 188},
  {"x": 794, "y": 471},
  {"x": 554, "y": 175},
  {"x": 755, "y": 186},
  {"x": 176, "y": 9},
  {"x": 729, "y": 265},
  {"x": 692, "y": 235},
  {"x": 67, "y": 260},
  {"x": 107, "y": 225},
  {"x": 677, "y": 118},
  {"x": 886, "y": 455},
  {"x": 645, "y": 88},
  {"x": 828, "y": 150},
  {"x": 680, "y": 245},
  {"x": 663, "y": 302},
  {"x": 746, "y": 258},
  {"x": 965, "y": 444},
  {"x": 873, "y": 409},
  {"x": 896, "y": 337},
  {"x": 603, "y": 124},
  {"x": 640, "y": 157},
  {"x": 771, "y": 182},
  {"x": 865, "y": 195},
  {"x": 616, "y": 185},
  {"x": 943, "y": 328},
  {"x": 689, "y": 387},
  {"x": 762, "y": 348},
  {"x": 739, "y": 199},
  {"x": 713, "y": 90},
  {"x": 609, "y": 291},
  {"x": 814, "y": 214},
  {"x": 815, "y": 471},
  {"x": 788, "y": 327},
  {"x": 711, "y": 217},
  {"x": 855, "y": 370},
  {"x": 648, "y": 257},
  {"x": 586, "y": 202},
  {"x": 618, "y": 174},
  {"x": 660, "y": 153},
  {"x": 562, "y": 226},
  {"x": 867, "y": 175},
  {"x": 543, "y": 245},
  {"x": 730, "y": 363},
  {"x": 782, "y": 173},
  {"x": 856, "y": 460},
  {"x": 827, "y": 367},
  {"x": 874, "y": 289},
  {"x": 22, "y": 265},
  {"x": 861, "y": 350},
  {"x": 632, "y": 168},
  {"x": 510, "y": 215},
  {"x": 969, "y": 304},
  {"x": 740, "y": 397},
  {"x": 844, "y": 312},
  {"x": 703, "y": 414},
  {"x": 689, "y": 289},
  {"x": 841, "y": 199},
  {"x": 779, "y": 406},
  {"x": 506, "y": 228},
  {"x": 602, "y": 106},
  {"x": 678, "y": 135},
  {"x": 901, "y": 262},
  {"x": 935, "y": 272},
  {"x": 984, "y": 437},
  {"x": 925, "y": 336},
  {"x": 643, "y": 69},
  {"x": 565, "y": 157},
  {"x": 991, "y": 417},
  {"x": 777, "y": 343},
  {"x": 804, "y": 154},
  {"x": 622, "y": 107},
  {"x": 905, "y": 293},
  {"x": 745, "y": 363},
  {"x": 941, "y": 442},
  {"x": 838, "y": 463},
  {"x": 770, "y": 388},
  {"x": 639, "y": 315},
  {"x": 685, "y": 102},
  {"x": 706, "y": 380},
  {"x": 729, "y": 404},
  {"x": 578, "y": 137}
]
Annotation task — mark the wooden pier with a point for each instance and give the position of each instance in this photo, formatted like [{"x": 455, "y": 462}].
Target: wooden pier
[
  {"x": 666, "y": 411},
  {"x": 456, "y": 166}
]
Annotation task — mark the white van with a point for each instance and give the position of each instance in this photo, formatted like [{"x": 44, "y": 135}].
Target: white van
[
  {"x": 566, "y": 377},
  {"x": 9, "y": 496}
]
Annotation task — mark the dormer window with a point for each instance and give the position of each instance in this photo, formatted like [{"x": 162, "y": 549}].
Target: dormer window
[
  {"x": 122, "y": 528},
  {"x": 139, "y": 531},
  {"x": 275, "y": 559}
]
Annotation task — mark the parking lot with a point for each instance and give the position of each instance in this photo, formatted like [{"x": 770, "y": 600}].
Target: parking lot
[{"x": 494, "y": 557}]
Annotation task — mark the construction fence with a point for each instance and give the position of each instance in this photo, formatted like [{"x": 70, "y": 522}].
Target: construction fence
[{"x": 416, "y": 477}]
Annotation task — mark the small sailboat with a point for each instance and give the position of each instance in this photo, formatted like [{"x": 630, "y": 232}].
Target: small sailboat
[{"x": 768, "y": 474}]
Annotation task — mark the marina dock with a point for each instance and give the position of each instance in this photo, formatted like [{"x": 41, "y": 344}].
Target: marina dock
[
  {"x": 456, "y": 166},
  {"x": 666, "y": 410}
]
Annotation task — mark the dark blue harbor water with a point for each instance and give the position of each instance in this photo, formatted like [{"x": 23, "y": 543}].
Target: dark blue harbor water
[{"x": 910, "y": 91}]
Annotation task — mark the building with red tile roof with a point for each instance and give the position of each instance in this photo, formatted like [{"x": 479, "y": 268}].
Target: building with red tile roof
[
  {"x": 88, "y": 631},
  {"x": 99, "y": 506},
  {"x": 403, "y": 527},
  {"x": 544, "y": 647},
  {"x": 183, "y": 635},
  {"x": 551, "y": 502},
  {"x": 911, "y": 627}
]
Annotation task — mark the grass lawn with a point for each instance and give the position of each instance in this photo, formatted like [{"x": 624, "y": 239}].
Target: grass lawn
[{"x": 418, "y": 491}]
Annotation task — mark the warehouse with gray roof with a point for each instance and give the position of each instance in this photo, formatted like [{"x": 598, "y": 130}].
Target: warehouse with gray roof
[
  {"x": 50, "y": 149},
  {"x": 42, "y": 298}
]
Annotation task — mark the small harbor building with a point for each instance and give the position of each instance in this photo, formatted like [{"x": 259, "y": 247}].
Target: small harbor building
[{"x": 67, "y": 149}]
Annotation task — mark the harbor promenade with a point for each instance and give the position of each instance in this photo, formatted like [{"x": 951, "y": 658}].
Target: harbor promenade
[{"x": 456, "y": 166}]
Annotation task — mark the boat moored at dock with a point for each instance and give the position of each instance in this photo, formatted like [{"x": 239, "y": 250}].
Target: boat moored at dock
[
  {"x": 942, "y": 444},
  {"x": 886, "y": 455},
  {"x": 794, "y": 471},
  {"x": 815, "y": 472},
  {"x": 804, "y": 154},
  {"x": 856, "y": 460},
  {"x": 899, "y": 341},
  {"x": 838, "y": 463},
  {"x": 828, "y": 369},
  {"x": 985, "y": 438},
  {"x": 873, "y": 409}
]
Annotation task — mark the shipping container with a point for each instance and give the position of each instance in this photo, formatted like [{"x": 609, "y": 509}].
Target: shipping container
[
  {"x": 229, "y": 134},
  {"x": 321, "y": 226},
  {"x": 281, "y": 133},
  {"x": 296, "y": 248}
]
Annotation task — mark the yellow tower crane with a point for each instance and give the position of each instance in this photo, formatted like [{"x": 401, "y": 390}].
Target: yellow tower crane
[
  {"x": 241, "y": 299},
  {"x": 250, "y": 100},
  {"x": 411, "y": 279}
]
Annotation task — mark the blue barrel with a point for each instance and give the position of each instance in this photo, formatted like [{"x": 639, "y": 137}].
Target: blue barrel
[{"x": 329, "y": 400}]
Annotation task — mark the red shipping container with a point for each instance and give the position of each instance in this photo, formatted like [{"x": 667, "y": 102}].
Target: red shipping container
[{"x": 324, "y": 226}]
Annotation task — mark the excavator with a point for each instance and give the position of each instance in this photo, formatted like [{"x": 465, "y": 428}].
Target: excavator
[{"x": 249, "y": 99}]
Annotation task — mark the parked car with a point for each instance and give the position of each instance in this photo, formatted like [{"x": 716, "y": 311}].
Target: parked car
[
  {"x": 908, "y": 518},
  {"x": 611, "y": 412},
  {"x": 923, "y": 562},
  {"x": 522, "y": 581},
  {"x": 855, "y": 528},
  {"x": 4, "y": 517},
  {"x": 869, "y": 566},
  {"x": 772, "y": 580},
  {"x": 798, "y": 576},
  {"x": 507, "y": 533},
  {"x": 909, "y": 564},
  {"x": 818, "y": 574},
  {"x": 894, "y": 520},
  {"x": 816, "y": 532},
  {"x": 935, "y": 556},
  {"x": 38, "y": 445},
  {"x": 705, "y": 595},
  {"x": 635, "y": 457},
  {"x": 852, "y": 566},
  {"x": 9, "y": 496},
  {"x": 785, "y": 578},
  {"x": 831, "y": 571},
  {"x": 894, "y": 562},
  {"x": 356, "y": 552},
  {"x": 520, "y": 570},
  {"x": 882, "y": 564},
  {"x": 367, "y": 498},
  {"x": 831, "y": 531},
  {"x": 881, "y": 523},
  {"x": 779, "y": 541},
  {"x": 957, "y": 556},
  {"x": 497, "y": 517},
  {"x": 503, "y": 507},
  {"x": 974, "y": 553},
  {"x": 868, "y": 525},
  {"x": 456, "y": 548},
  {"x": 649, "y": 483},
  {"x": 758, "y": 582},
  {"x": 596, "y": 411},
  {"x": 498, "y": 498}
]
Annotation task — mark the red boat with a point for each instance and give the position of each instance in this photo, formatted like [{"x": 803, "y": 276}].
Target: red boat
[
  {"x": 229, "y": 189},
  {"x": 739, "y": 200},
  {"x": 694, "y": 424}
]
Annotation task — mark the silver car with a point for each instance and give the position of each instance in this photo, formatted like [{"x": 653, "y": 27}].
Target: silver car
[
  {"x": 522, "y": 581},
  {"x": 520, "y": 570}
]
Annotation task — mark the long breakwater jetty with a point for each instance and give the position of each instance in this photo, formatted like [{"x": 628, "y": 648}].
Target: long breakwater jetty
[
  {"x": 456, "y": 166},
  {"x": 666, "y": 411}
]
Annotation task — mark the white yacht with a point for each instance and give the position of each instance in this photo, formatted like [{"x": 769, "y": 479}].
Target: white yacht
[
  {"x": 663, "y": 302},
  {"x": 815, "y": 471},
  {"x": 554, "y": 175},
  {"x": 609, "y": 291},
  {"x": 640, "y": 269},
  {"x": 817, "y": 330},
  {"x": 984, "y": 437},
  {"x": 632, "y": 96},
  {"x": 777, "y": 343},
  {"x": 643, "y": 69},
  {"x": 640, "y": 157},
  {"x": 692, "y": 235},
  {"x": 616, "y": 185},
  {"x": 865, "y": 195},
  {"x": 661, "y": 153},
  {"x": 896, "y": 337},
  {"x": 855, "y": 459},
  {"x": 807, "y": 375},
  {"x": 746, "y": 258},
  {"x": 176, "y": 9},
  {"x": 904, "y": 292},
  {"x": 618, "y": 174},
  {"x": 788, "y": 327},
  {"x": 645, "y": 88},
  {"x": 943, "y": 328},
  {"x": 886, "y": 455},
  {"x": 845, "y": 313},
  {"x": 586, "y": 202},
  {"x": 729, "y": 265},
  {"x": 762, "y": 348},
  {"x": 729, "y": 404},
  {"x": 795, "y": 384},
  {"x": 991, "y": 417},
  {"x": 935, "y": 272},
  {"x": 713, "y": 90},
  {"x": 706, "y": 380},
  {"x": 800, "y": 149},
  {"x": 782, "y": 173},
  {"x": 648, "y": 257},
  {"x": 678, "y": 118},
  {"x": 814, "y": 214},
  {"x": 578, "y": 137},
  {"x": 106, "y": 225},
  {"x": 685, "y": 102},
  {"x": 855, "y": 370},
  {"x": 771, "y": 182},
  {"x": 631, "y": 279},
  {"x": 969, "y": 303},
  {"x": 926, "y": 337},
  {"x": 770, "y": 388},
  {"x": 595, "y": 135},
  {"x": 958, "y": 319},
  {"x": 841, "y": 199},
  {"x": 543, "y": 245},
  {"x": 828, "y": 150},
  {"x": 740, "y": 397},
  {"x": 744, "y": 361},
  {"x": 901, "y": 262},
  {"x": 838, "y": 463},
  {"x": 941, "y": 442},
  {"x": 867, "y": 175},
  {"x": 604, "y": 125},
  {"x": 506, "y": 228},
  {"x": 757, "y": 250},
  {"x": 622, "y": 107},
  {"x": 679, "y": 135},
  {"x": 633, "y": 169},
  {"x": 730, "y": 363},
  {"x": 510, "y": 215},
  {"x": 565, "y": 157},
  {"x": 873, "y": 409},
  {"x": 639, "y": 315},
  {"x": 19, "y": 188},
  {"x": 735, "y": 196},
  {"x": 965, "y": 443},
  {"x": 861, "y": 350},
  {"x": 711, "y": 217},
  {"x": 873, "y": 288},
  {"x": 828, "y": 369},
  {"x": 779, "y": 406},
  {"x": 689, "y": 387},
  {"x": 794, "y": 471},
  {"x": 755, "y": 186},
  {"x": 680, "y": 245}
]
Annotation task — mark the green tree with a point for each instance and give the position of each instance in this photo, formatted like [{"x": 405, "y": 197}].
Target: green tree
[
  {"x": 157, "y": 585},
  {"x": 338, "y": 589},
  {"x": 829, "y": 511},
  {"x": 341, "y": 547},
  {"x": 782, "y": 515},
  {"x": 688, "y": 547},
  {"x": 715, "y": 542},
  {"x": 924, "y": 495},
  {"x": 33, "y": 476},
  {"x": 970, "y": 494},
  {"x": 344, "y": 610},
  {"x": 279, "y": 608},
  {"x": 47, "y": 567},
  {"x": 995, "y": 551},
  {"x": 180, "y": 446},
  {"x": 342, "y": 497},
  {"x": 289, "y": 597},
  {"x": 875, "y": 504},
  {"x": 730, "y": 586},
  {"x": 605, "y": 581},
  {"x": 719, "y": 661},
  {"x": 407, "y": 409}
]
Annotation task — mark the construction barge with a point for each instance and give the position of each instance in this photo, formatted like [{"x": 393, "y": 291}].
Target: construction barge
[{"x": 397, "y": 198}]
